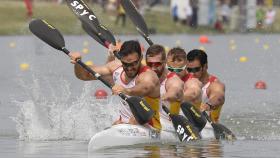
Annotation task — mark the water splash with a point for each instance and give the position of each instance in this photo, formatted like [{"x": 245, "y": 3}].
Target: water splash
[{"x": 51, "y": 116}]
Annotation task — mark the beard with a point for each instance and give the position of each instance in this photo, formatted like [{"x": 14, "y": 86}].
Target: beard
[{"x": 132, "y": 72}]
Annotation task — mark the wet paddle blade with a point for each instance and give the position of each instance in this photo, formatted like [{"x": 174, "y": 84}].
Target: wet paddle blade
[
  {"x": 222, "y": 132},
  {"x": 47, "y": 33},
  {"x": 140, "y": 109},
  {"x": 183, "y": 127}
]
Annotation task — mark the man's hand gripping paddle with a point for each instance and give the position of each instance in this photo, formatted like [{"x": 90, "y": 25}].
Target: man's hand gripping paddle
[{"x": 49, "y": 34}]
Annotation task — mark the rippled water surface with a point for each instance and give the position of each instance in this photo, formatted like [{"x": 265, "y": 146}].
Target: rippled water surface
[{"x": 46, "y": 112}]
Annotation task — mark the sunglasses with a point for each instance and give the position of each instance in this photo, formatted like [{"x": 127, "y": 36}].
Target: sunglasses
[
  {"x": 132, "y": 64},
  {"x": 177, "y": 70},
  {"x": 154, "y": 64},
  {"x": 193, "y": 70}
]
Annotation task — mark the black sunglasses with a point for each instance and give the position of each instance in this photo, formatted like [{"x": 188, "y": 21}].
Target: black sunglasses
[
  {"x": 130, "y": 64},
  {"x": 177, "y": 70},
  {"x": 194, "y": 69}
]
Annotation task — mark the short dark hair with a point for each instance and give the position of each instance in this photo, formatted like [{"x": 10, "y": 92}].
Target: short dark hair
[
  {"x": 177, "y": 53},
  {"x": 156, "y": 49},
  {"x": 129, "y": 47},
  {"x": 197, "y": 54}
]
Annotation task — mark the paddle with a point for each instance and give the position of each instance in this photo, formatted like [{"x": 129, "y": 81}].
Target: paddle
[
  {"x": 185, "y": 130},
  {"x": 220, "y": 131},
  {"x": 49, "y": 34},
  {"x": 137, "y": 19},
  {"x": 92, "y": 27},
  {"x": 83, "y": 12}
]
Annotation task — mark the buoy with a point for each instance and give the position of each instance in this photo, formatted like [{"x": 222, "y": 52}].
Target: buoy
[
  {"x": 85, "y": 51},
  {"x": 12, "y": 44},
  {"x": 100, "y": 94},
  {"x": 233, "y": 47},
  {"x": 24, "y": 66},
  {"x": 260, "y": 85},
  {"x": 257, "y": 40},
  {"x": 85, "y": 43},
  {"x": 89, "y": 63},
  {"x": 203, "y": 39},
  {"x": 243, "y": 59},
  {"x": 178, "y": 43},
  {"x": 265, "y": 46}
]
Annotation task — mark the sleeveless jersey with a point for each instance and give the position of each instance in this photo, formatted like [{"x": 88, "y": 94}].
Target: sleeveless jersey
[
  {"x": 125, "y": 112},
  {"x": 174, "y": 107},
  {"x": 214, "y": 114}
]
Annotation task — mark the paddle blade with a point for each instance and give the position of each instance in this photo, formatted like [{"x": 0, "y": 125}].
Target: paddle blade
[
  {"x": 193, "y": 115},
  {"x": 135, "y": 16},
  {"x": 222, "y": 132},
  {"x": 140, "y": 109},
  {"x": 84, "y": 13},
  {"x": 47, "y": 33},
  {"x": 183, "y": 127},
  {"x": 94, "y": 35}
]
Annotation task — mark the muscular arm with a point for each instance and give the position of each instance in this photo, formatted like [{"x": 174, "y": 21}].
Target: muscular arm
[
  {"x": 104, "y": 70},
  {"x": 192, "y": 90},
  {"x": 147, "y": 84},
  {"x": 216, "y": 93},
  {"x": 174, "y": 89}
]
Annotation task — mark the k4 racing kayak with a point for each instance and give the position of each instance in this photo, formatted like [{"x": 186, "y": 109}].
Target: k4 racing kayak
[{"x": 127, "y": 134}]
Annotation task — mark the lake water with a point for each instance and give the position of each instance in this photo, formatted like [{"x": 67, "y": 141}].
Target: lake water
[{"x": 46, "y": 111}]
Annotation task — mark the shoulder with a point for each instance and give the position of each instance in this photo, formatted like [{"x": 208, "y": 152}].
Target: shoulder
[{"x": 217, "y": 85}]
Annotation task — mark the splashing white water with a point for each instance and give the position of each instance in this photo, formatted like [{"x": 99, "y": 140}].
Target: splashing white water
[{"x": 54, "y": 118}]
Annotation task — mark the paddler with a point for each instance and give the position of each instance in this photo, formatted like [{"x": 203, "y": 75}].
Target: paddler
[
  {"x": 130, "y": 77},
  {"x": 213, "y": 90},
  {"x": 176, "y": 62},
  {"x": 173, "y": 90}
]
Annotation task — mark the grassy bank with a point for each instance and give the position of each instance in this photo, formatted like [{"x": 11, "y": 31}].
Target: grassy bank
[{"x": 14, "y": 20}]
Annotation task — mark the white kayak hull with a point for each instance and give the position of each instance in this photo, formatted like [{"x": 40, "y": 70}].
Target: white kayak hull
[{"x": 127, "y": 134}]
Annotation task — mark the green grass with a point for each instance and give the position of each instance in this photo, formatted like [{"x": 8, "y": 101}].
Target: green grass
[{"x": 14, "y": 20}]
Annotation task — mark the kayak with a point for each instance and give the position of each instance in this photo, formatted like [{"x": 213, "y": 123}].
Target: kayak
[{"x": 127, "y": 134}]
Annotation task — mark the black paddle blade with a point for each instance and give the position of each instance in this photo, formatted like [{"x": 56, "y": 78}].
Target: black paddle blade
[
  {"x": 47, "y": 33},
  {"x": 84, "y": 13},
  {"x": 193, "y": 115},
  {"x": 183, "y": 127},
  {"x": 135, "y": 16},
  {"x": 94, "y": 35},
  {"x": 222, "y": 132},
  {"x": 140, "y": 109},
  {"x": 104, "y": 37}
]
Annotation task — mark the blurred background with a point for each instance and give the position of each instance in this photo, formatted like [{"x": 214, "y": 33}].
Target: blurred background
[{"x": 162, "y": 16}]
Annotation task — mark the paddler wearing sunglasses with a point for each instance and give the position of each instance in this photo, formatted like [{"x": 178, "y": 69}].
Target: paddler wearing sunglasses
[
  {"x": 176, "y": 62},
  {"x": 130, "y": 77},
  {"x": 213, "y": 90},
  {"x": 171, "y": 86}
]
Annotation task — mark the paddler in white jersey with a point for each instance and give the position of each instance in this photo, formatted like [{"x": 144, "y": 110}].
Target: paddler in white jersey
[
  {"x": 172, "y": 87},
  {"x": 176, "y": 62},
  {"x": 130, "y": 77},
  {"x": 213, "y": 90}
]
